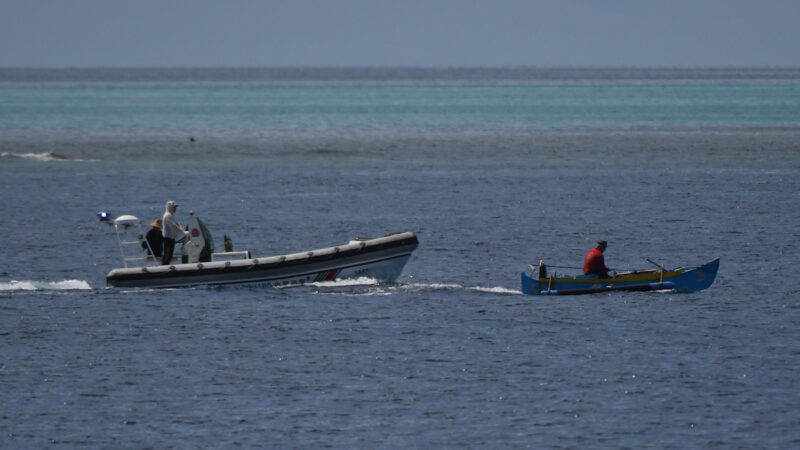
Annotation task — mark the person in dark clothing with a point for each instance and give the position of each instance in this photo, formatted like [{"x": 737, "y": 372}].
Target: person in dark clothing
[{"x": 154, "y": 239}]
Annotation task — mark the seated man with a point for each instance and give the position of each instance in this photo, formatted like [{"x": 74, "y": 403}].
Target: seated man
[
  {"x": 595, "y": 263},
  {"x": 154, "y": 239}
]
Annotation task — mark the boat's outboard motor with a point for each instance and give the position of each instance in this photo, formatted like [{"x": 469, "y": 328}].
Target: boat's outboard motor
[{"x": 200, "y": 244}]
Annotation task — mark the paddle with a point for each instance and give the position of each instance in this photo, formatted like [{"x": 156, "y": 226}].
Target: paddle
[{"x": 661, "y": 273}]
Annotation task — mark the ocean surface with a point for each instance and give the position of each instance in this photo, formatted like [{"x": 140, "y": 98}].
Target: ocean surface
[{"x": 494, "y": 169}]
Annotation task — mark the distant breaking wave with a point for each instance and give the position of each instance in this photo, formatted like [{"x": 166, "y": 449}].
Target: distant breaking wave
[
  {"x": 46, "y": 156},
  {"x": 31, "y": 285}
]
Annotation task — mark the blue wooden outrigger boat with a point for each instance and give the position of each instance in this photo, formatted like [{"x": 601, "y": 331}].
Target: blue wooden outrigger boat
[{"x": 681, "y": 279}]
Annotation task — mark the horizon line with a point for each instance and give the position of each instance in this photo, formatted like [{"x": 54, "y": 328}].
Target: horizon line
[{"x": 413, "y": 67}]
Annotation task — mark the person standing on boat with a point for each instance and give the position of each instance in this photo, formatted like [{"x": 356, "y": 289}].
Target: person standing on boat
[
  {"x": 595, "y": 263},
  {"x": 171, "y": 230},
  {"x": 155, "y": 240}
]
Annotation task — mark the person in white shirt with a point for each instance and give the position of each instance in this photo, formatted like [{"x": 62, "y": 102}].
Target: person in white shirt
[{"x": 170, "y": 229}]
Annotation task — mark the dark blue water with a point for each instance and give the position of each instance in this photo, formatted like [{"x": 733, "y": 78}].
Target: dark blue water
[{"x": 493, "y": 170}]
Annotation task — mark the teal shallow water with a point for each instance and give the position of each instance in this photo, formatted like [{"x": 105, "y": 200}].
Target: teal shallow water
[
  {"x": 415, "y": 109},
  {"x": 417, "y": 105}
]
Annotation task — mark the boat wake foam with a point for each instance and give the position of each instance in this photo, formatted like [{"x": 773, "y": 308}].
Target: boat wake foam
[
  {"x": 459, "y": 287},
  {"x": 32, "y": 285},
  {"x": 374, "y": 287},
  {"x": 362, "y": 281}
]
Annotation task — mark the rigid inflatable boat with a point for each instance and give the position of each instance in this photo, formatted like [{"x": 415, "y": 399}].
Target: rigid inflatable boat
[{"x": 380, "y": 258}]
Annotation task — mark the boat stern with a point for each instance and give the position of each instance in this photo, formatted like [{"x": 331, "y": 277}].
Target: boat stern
[{"x": 530, "y": 285}]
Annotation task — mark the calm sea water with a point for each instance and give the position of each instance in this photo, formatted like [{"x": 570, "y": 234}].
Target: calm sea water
[{"x": 494, "y": 169}]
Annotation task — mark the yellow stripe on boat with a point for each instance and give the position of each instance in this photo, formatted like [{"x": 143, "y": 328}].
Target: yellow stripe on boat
[{"x": 647, "y": 276}]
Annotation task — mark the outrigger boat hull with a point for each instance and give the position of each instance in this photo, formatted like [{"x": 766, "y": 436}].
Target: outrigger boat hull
[
  {"x": 680, "y": 280},
  {"x": 381, "y": 258}
]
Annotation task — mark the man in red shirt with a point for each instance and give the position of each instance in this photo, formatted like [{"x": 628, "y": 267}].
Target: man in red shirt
[{"x": 595, "y": 263}]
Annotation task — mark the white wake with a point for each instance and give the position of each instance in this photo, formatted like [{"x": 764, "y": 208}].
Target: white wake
[{"x": 33, "y": 285}]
